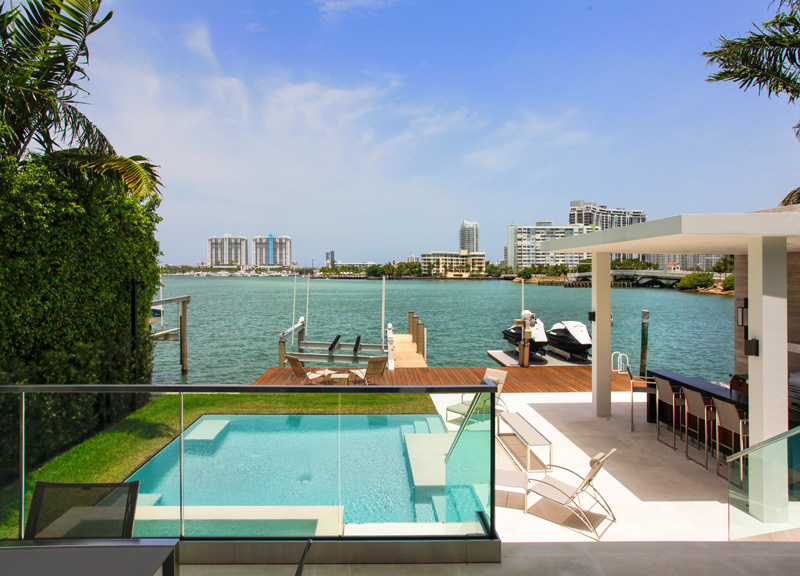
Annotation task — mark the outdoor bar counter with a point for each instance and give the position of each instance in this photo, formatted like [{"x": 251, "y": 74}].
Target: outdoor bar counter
[{"x": 706, "y": 388}]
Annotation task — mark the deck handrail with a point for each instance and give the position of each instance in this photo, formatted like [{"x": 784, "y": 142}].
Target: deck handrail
[
  {"x": 247, "y": 388},
  {"x": 763, "y": 444}
]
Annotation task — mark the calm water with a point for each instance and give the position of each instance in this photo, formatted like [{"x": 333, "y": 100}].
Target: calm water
[
  {"x": 233, "y": 323},
  {"x": 356, "y": 461}
]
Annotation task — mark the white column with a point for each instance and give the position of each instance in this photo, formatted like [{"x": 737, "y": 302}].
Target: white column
[
  {"x": 601, "y": 334},
  {"x": 768, "y": 375}
]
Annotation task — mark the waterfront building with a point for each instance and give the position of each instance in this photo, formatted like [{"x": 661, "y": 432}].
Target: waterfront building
[
  {"x": 686, "y": 261},
  {"x": 272, "y": 251},
  {"x": 412, "y": 259},
  {"x": 468, "y": 237},
  {"x": 602, "y": 217},
  {"x": 330, "y": 259},
  {"x": 359, "y": 265},
  {"x": 227, "y": 250},
  {"x": 452, "y": 263},
  {"x": 524, "y": 245}
]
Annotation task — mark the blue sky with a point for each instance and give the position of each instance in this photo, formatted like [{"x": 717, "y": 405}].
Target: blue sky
[{"x": 373, "y": 127}]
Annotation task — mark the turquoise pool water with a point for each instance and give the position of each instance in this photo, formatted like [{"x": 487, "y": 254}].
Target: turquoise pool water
[{"x": 356, "y": 461}]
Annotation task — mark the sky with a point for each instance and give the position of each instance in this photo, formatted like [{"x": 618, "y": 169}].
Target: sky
[{"x": 374, "y": 127}]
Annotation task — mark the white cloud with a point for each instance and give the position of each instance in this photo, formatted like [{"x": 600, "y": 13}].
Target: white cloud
[
  {"x": 522, "y": 140},
  {"x": 336, "y": 8},
  {"x": 198, "y": 40}
]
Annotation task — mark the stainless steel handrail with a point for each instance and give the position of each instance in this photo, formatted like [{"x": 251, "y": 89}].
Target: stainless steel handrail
[
  {"x": 247, "y": 388},
  {"x": 767, "y": 442}
]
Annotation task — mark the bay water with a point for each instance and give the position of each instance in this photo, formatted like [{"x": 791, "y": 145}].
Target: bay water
[{"x": 234, "y": 322}]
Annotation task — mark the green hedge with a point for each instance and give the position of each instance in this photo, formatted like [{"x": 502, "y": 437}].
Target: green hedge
[
  {"x": 69, "y": 245},
  {"x": 696, "y": 280},
  {"x": 727, "y": 284}
]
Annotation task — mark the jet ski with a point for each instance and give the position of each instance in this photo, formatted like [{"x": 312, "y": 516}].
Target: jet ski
[
  {"x": 571, "y": 337},
  {"x": 537, "y": 337}
]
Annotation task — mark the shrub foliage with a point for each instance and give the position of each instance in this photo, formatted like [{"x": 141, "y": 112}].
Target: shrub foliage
[
  {"x": 696, "y": 280},
  {"x": 70, "y": 245},
  {"x": 727, "y": 284}
]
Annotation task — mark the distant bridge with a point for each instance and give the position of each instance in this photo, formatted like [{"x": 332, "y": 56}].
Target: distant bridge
[{"x": 636, "y": 278}]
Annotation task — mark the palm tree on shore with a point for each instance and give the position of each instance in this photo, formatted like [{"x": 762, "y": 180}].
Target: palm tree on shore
[
  {"x": 767, "y": 60},
  {"x": 43, "y": 52}
]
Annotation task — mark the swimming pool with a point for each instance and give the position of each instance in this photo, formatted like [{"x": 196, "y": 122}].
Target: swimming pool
[{"x": 356, "y": 465}]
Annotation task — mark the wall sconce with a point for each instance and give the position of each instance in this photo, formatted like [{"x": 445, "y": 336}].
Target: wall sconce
[
  {"x": 741, "y": 314},
  {"x": 751, "y": 347},
  {"x": 592, "y": 316}
]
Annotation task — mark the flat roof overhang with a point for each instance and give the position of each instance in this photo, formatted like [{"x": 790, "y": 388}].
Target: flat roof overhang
[{"x": 687, "y": 234}]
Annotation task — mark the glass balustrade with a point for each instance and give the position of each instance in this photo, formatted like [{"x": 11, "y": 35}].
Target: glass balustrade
[
  {"x": 292, "y": 463},
  {"x": 764, "y": 489}
]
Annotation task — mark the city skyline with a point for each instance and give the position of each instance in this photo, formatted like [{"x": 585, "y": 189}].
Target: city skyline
[{"x": 350, "y": 123}]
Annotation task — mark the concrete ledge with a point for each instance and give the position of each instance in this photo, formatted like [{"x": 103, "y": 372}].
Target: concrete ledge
[{"x": 341, "y": 552}]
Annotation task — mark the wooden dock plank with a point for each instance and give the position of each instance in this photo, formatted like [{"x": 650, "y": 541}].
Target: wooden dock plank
[{"x": 537, "y": 379}]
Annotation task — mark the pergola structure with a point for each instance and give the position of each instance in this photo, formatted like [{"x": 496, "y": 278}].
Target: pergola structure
[{"x": 767, "y": 239}]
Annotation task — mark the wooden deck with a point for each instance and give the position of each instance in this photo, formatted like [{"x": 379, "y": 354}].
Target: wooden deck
[
  {"x": 405, "y": 353},
  {"x": 538, "y": 379}
]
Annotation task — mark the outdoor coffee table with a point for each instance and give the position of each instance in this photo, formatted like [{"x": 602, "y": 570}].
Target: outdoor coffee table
[
  {"x": 524, "y": 433},
  {"x": 340, "y": 378}
]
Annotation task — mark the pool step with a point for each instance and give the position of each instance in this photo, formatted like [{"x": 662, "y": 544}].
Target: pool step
[
  {"x": 435, "y": 424},
  {"x": 206, "y": 430},
  {"x": 439, "y": 504},
  {"x": 148, "y": 499},
  {"x": 206, "y": 435},
  {"x": 421, "y": 427},
  {"x": 424, "y": 512}
]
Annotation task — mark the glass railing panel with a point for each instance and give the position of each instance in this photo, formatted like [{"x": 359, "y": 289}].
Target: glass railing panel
[
  {"x": 764, "y": 492},
  {"x": 468, "y": 488},
  {"x": 73, "y": 437},
  {"x": 393, "y": 449},
  {"x": 261, "y": 465},
  {"x": 9, "y": 465}
]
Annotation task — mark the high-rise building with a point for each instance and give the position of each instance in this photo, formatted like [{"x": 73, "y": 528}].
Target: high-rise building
[
  {"x": 523, "y": 248},
  {"x": 602, "y": 217},
  {"x": 272, "y": 251},
  {"x": 227, "y": 250},
  {"x": 330, "y": 259},
  {"x": 468, "y": 236},
  {"x": 412, "y": 259}
]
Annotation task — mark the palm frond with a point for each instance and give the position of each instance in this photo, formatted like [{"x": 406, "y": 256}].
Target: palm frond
[
  {"x": 792, "y": 197},
  {"x": 137, "y": 173}
]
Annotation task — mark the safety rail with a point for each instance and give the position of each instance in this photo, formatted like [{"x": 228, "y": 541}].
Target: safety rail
[
  {"x": 173, "y": 506},
  {"x": 764, "y": 489}
]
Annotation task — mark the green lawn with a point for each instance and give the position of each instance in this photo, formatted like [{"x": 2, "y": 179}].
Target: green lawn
[{"x": 115, "y": 453}]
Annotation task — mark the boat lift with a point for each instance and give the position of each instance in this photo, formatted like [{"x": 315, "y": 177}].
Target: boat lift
[{"x": 335, "y": 352}]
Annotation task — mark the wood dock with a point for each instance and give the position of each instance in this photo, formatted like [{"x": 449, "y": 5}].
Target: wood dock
[
  {"x": 405, "y": 353},
  {"x": 539, "y": 379}
]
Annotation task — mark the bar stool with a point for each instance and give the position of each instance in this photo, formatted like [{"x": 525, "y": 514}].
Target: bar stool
[
  {"x": 730, "y": 418},
  {"x": 672, "y": 396},
  {"x": 640, "y": 384},
  {"x": 702, "y": 410}
]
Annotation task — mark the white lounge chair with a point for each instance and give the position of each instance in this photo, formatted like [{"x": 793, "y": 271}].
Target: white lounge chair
[
  {"x": 493, "y": 374},
  {"x": 568, "y": 494}
]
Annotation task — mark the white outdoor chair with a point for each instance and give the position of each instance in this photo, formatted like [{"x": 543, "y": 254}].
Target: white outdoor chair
[
  {"x": 568, "y": 494},
  {"x": 493, "y": 374}
]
